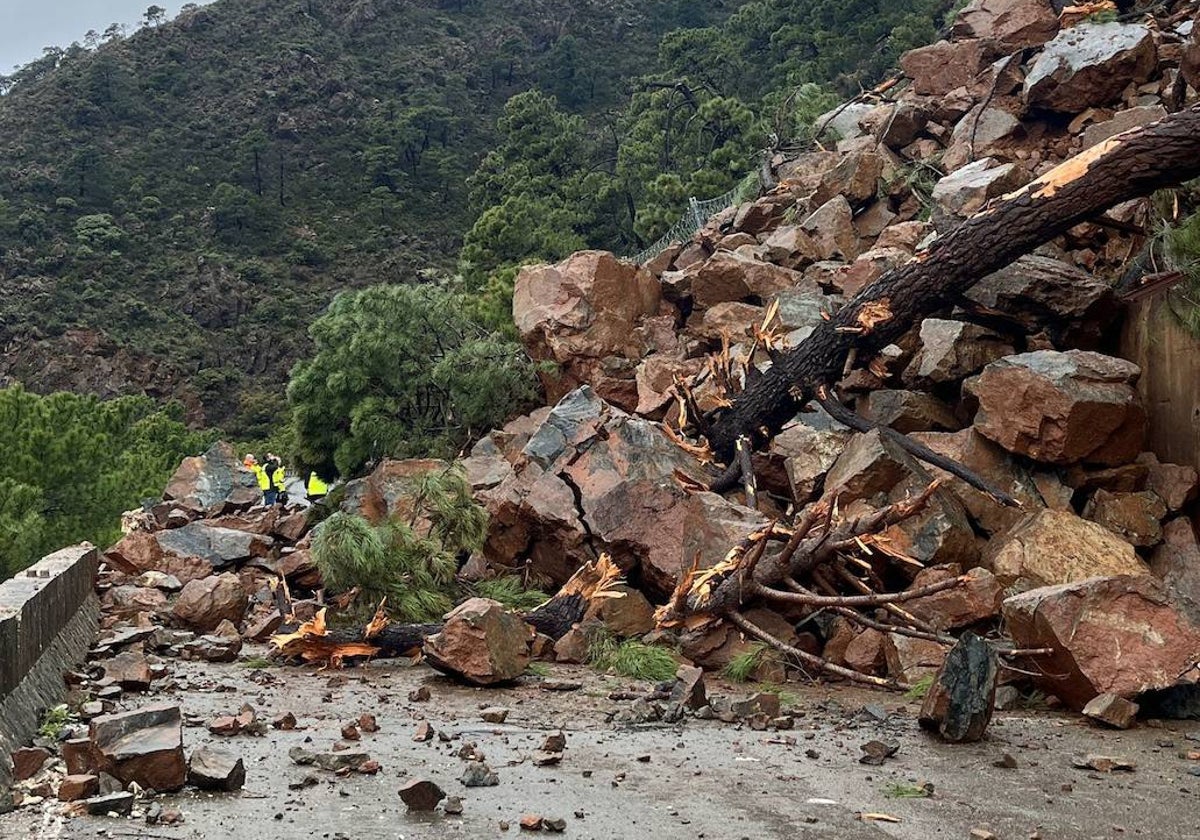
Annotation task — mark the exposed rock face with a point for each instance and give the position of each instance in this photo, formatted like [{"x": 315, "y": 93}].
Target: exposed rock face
[
  {"x": 482, "y": 642},
  {"x": 869, "y": 464},
  {"x": 1054, "y": 547},
  {"x": 1013, "y": 24},
  {"x": 1090, "y": 64},
  {"x": 581, "y": 311},
  {"x": 1061, "y": 408},
  {"x": 1116, "y": 635},
  {"x": 219, "y": 547},
  {"x": 908, "y": 411},
  {"x": 204, "y": 604},
  {"x": 213, "y": 479},
  {"x": 143, "y": 746}
]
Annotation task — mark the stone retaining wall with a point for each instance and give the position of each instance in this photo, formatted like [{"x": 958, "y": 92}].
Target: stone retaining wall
[{"x": 48, "y": 619}]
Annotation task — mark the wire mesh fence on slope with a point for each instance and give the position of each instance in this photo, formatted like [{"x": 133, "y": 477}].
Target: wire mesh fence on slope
[{"x": 697, "y": 216}]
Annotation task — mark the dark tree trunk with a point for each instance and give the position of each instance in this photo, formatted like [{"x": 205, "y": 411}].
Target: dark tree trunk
[{"x": 1163, "y": 154}]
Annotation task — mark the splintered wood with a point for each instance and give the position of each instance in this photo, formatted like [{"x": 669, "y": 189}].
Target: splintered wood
[
  {"x": 809, "y": 566},
  {"x": 315, "y": 642}
]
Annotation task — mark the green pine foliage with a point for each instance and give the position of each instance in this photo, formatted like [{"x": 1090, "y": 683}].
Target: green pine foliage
[
  {"x": 1181, "y": 247},
  {"x": 73, "y": 464},
  {"x": 410, "y": 562},
  {"x": 401, "y": 371},
  {"x": 511, "y": 592}
]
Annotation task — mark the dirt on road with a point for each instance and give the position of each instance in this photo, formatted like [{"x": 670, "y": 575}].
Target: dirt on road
[{"x": 694, "y": 779}]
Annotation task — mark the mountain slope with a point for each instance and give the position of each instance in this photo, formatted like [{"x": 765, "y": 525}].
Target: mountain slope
[{"x": 176, "y": 206}]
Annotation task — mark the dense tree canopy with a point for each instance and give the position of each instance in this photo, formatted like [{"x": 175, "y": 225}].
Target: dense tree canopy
[
  {"x": 401, "y": 371},
  {"x": 73, "y": 464}
]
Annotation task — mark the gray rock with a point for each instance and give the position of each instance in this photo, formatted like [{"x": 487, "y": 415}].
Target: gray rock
[
  {"x": 211, "y": 769},
  {"x": 1090, "y": 65},
  {"x": 960, "y": 702}
]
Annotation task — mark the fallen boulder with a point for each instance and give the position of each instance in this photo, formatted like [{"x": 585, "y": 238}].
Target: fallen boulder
[
  {"x": 143, "y": 746},
  {"x": 213, "y": 482},
  {"x": 211, "y": 769},
  {"x": 959, "y": 704},
  {"x": 1052, "y": 547},
  {"x": 482, "y": 643},
  {"x": 204, "y": 604},
  {"x": 1089, "y": 65},
  {"x": 1061, "y": 407},
  {"x": 1117, "y": 635}
]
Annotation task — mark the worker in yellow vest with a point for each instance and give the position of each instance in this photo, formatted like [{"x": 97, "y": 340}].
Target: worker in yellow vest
[
  {"x": 317, "y": 489},
  {"x": 263, "y": 478},
  {"x": 274, "y": 469}
]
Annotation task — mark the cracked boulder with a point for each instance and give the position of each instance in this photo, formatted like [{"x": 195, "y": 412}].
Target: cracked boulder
[
  {"x": 143, "y": 746},
  {"x": 220, "y": 547},
  {"x": 213, "y": 482},
  {"x": 950, "y": 351},
  {"x": 204, "y": 604},
  {"x": 1013, "y": 24},
  {"x": 1110, "y": 635},
  {"x": 1053, "y": 547}
]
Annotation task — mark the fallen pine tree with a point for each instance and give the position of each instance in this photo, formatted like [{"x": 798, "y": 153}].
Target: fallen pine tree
[
  {"x": 1130, "y": 165},
  {"x": 315, "y": 641}
]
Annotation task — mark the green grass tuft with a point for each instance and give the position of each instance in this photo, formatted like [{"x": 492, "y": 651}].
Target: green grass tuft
[
  {"x": 742, "y": 667},
  {"x": 630, "y": 658},
  {"x": 510, "y": 592},
  {"x": 54, "y": 720},
  {"x": 920, "y": 688},
  {"x": 538, "y": 669},
  {"x": 902, "y": 790},
  {"x": 256, "y": 663}
]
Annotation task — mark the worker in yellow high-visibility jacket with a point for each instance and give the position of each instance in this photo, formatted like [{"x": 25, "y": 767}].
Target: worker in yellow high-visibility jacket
[
  {"x": 263, "y": 478},
  {"x": 317, "y": 489}
]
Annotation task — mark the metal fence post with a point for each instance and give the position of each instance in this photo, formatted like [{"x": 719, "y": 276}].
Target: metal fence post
[{"x": 697, "y": 216}]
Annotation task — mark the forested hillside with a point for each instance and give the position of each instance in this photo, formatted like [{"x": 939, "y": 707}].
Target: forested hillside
[{"x": 177, "y": 205}]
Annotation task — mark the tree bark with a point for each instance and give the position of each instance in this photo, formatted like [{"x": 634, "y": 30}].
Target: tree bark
[{"x": 1130, "y": 165}]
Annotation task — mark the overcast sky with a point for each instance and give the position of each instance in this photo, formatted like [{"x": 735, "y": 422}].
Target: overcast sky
[{"x": 28, "y": 25}]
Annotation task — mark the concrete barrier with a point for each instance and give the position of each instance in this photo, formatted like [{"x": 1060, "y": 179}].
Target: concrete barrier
[{"x": 48, "y": 619}]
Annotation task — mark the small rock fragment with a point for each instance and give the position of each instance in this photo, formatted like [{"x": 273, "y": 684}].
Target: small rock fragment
[
  {"x": 453, "y": 805},
  {"x": 531, "y": 822},
  {"x": 211, "y": 769},
  {"x": 478, "y": 774},
  {"x": 368, "y": 723},
  {"x": 494, "y": 714},
  {"x": 424, "y": 732},
  {"x": 419, "y": 695},
  {"x": 78, "y": 787},
  {"x": 118, "y": 804},
  {"x": 1112, "y": 710},
  {"x": 1103, "y": 763},
  {"x": 421, "y": 795},
  {"x": 876, "y": 752}
]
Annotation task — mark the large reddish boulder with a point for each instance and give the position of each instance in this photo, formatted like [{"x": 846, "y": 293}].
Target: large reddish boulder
[
  {"x": 727, "y": 276},
  {"x": 1135, "y": 517},
  {"x": 1176, "y": 562},
  {"x": 143, "y": 746},
  {"x": 1117, "y": 635},
  {"x": 582, "y": 311},
  {"x": 1013, "y": 24},
  {"x": 205, "y": 603},
  {"x": 941, "y": 67},
  {"x": 1052, "y": 547},
  {"x": 1061, "y": 408},
  {"x": 1090, "y": 65},
  {"x": 482, "y": 643},
  {"x": 978, "y": 599}
]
